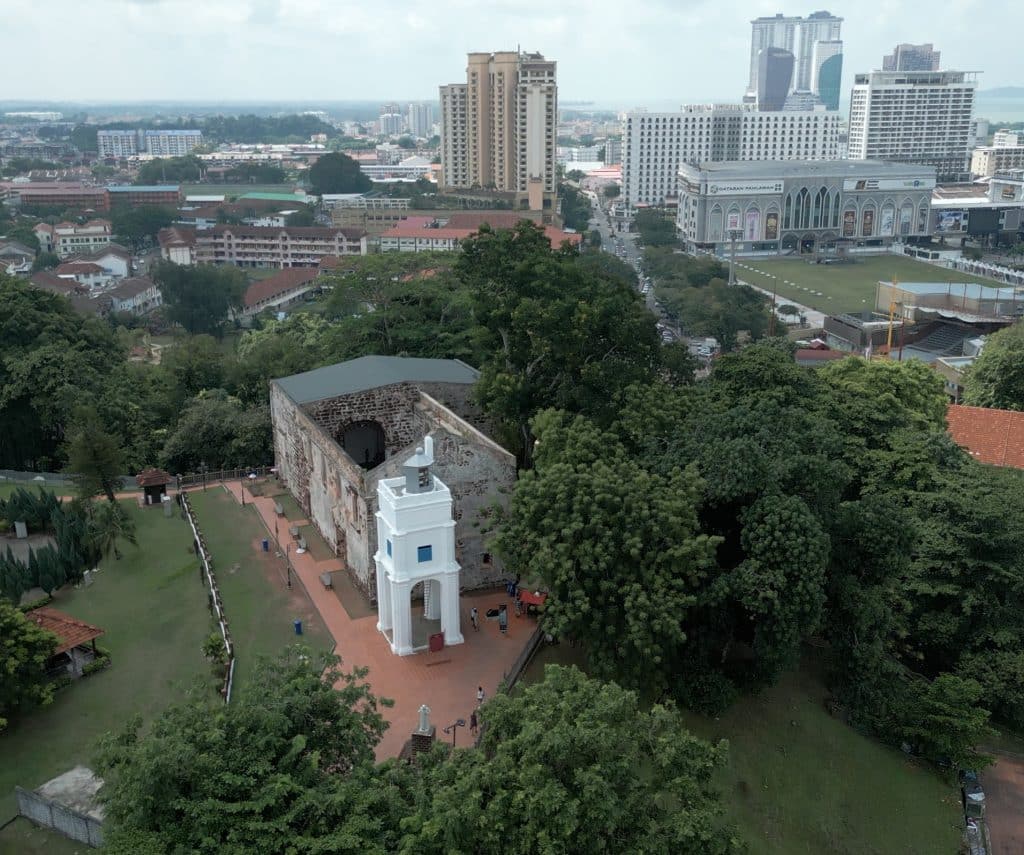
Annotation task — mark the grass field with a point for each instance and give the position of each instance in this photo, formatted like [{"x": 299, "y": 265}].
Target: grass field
[
  {"x": 152, "y": 607},
  {"x": 843, "y": 287},
  {"x": 8, "y": 487},
  {"x": 799, "y": 782},
  {"x": 260, "y": 608}
]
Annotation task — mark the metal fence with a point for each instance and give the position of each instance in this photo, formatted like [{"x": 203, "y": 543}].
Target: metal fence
[
  {"x": 50, "y": 814},
  {"x": 188, "y": 479},
  {"x": 215, "y": 601}
]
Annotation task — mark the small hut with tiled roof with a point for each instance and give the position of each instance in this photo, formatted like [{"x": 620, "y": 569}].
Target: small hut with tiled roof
[
  {"x": 154, "y": 484},
  {"x": 76, "y": 640}
]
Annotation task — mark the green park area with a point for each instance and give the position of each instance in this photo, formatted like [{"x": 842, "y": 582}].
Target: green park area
[
  {"x": 844, "y": 287},
  {"x": 800, "y": 782},
  {"x": 233, "y": 190},
  {"x": 151, "y": 606},
  {"x": 261, "y": 609}
]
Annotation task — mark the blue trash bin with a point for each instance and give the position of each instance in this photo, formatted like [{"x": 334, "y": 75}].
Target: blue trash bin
[
  {"x": 298, "y": 627},
  {"x": 266, "y": 545}
]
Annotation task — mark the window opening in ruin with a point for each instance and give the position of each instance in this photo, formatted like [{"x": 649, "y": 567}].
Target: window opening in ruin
[{"x": 365, "y": 443}]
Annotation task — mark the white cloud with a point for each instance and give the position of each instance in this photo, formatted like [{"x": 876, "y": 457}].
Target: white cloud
[{"x": 640, "y": 51}]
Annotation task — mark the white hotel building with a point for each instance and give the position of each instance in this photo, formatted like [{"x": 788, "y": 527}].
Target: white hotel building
[{"x": 656, "y": 145}]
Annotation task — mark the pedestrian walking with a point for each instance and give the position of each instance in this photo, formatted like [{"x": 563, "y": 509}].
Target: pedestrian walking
[
  {"x": 479, "y": 695},
  {"x": 473, "y": 723},
  {"x": 474, "y": 616}
]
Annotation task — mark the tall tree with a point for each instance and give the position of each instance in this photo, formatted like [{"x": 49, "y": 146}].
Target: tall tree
[
  {"x": 199, "y": 298},
  {"x": 109, "y": 523},
  {"x": 573, "y": 765},
  {"x": 996, "y": 379},
  {"x": 286, "y": 767},
  {"x": 619, "y": 549},
  {"x": 24, "y": 650},
  {"x": 95, "y": 460},
  {"x": 337, "y": 173}
]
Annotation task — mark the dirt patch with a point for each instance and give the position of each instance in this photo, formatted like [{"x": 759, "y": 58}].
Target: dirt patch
[
  {"x": 354, "y": 601},
  {"x": 1004, "y": 795}
]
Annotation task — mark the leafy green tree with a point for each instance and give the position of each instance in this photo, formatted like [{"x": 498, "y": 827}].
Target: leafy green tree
[
  {"x": 194, "y": 363},
  {"x": 278, "y": 349},
  {"x": 95, "y": 460},
  {"x": 337, "y": 173},
  {"x": 947, "y": 720},
  {"x": 52, "y": 358},
  {"x": 656, "y": 228},
  {"x": 619, "y": 549},
  {"x": 216, "y": 429},
  {"x": 170, "y": 170},
  {"x": 594, "y": 239},
  {"x": 24, "y": 651},
  {"x": 718, "y": 310},
  {"x": 996, "y": 379},
  {"x": 109, "y": 523},
  {"x": 612, "y": 191},
  {"x": 552, "y": 333},
  {"x": 45, "y": 261},
  {"x": 200, "y": 298},
  {"x": 15, "y": 577},
  {"x": 573, "y": 765},
  {"x": 302, "y": 217},
  {"x": 136, "y": 226},
  {"x": 286, "y": 767},
  {"x": 575, "y": 207}
]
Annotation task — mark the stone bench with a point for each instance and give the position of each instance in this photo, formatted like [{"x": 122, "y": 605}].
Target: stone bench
[
  {"x": 326, "y": 581},
  {"x": 302, "y": 544},
  {"x": 278, "y": 509},
  {"x": 293, "y": 530}
]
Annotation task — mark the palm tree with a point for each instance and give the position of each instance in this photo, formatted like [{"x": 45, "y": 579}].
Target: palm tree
[{"x": 109, "y": 523}]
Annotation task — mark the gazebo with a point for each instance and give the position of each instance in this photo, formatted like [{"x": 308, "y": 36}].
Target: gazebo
[
  {"x": 154, "y": 484},
  {"x": 76, "y": 640}
]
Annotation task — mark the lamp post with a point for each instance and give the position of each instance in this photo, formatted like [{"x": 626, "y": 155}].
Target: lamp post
[
  {"x": 734, "y": 235},
  {"x": 288, "y": 565},
  {"x": 453, "y": 728},
  {"x": 202, "y": 469}
]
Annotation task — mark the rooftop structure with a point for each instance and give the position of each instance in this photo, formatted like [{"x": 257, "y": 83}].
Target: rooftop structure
[{"x": 990, "y": 436}]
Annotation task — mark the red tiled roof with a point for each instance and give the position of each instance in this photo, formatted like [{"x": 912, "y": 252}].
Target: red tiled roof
[
  {"x": 152, "y": 477},
  {"x": 130, "y": 287},
  {"x": 281, "y": 283},
  {"x": 418, "y": 227},
  {"x": 495, "y": 219},
  {"x": 74, "y": 267},
  {"x": 989, "y": 436},
  {"x": 47, "y": 280},
  {"x": 291, "y": 231},
  {"x": 69, "y": 631},
  {"x": 176, "y": 236},
  {"x": 816, "y": 354}
]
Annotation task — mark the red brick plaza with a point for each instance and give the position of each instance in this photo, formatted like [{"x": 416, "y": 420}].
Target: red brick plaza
[{"x": 446, "y": 680}]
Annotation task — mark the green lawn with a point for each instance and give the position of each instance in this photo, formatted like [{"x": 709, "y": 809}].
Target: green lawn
[
  {"x": 234, "y": 189},
  {"x": 8, "y": 487},
  {"x": 259, "y": 607},
  {"x": 843, "y": 287},
  {"x": 799, "y": 782},
  {"x": 21, "y": 837},
  {"x": 152, "y": 606}
]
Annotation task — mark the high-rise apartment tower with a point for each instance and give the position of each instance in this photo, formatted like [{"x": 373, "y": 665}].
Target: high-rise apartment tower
[
  {"x": 498, "y": 129},
  {"x": 816, "y": 46},
  {"x": 912, "y": 58}
]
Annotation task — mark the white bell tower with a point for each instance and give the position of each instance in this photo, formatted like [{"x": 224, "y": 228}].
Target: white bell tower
[{"x": 416, "y": 543}]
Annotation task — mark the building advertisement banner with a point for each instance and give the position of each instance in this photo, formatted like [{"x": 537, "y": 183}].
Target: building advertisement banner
[
  {"x": 950, "y": 221},
  {"x": 732, "y": 222},
  {"x": 849, "y": 224},
  {"x": 868, "y": 226},
  {"x": 771, "y": 226},
  {"x": 905, "y": 216},
  {"x": 741, "y": 188},
  {"x": 752, "y": 229},
  {"x": 888, "y": 221},
  {"x": 867, "y": 185}
]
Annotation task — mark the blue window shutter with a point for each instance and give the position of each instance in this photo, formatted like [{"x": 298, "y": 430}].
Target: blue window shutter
[
  {"x": 389, "y": 548},
  {"x": 424, "y": 553}
]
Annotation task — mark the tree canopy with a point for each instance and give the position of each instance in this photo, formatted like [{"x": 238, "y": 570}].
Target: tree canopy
[
  {"x": 24, "y": 651},
  {"x": 996, "y": 379},
  {"x": 336, "y": 172},
  {"x": 199, "y": 297}
]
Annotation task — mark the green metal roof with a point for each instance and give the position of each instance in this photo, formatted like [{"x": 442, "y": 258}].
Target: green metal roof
[
  {"x": 371, "y": 372},
  {"x": 276, "y": 197}
]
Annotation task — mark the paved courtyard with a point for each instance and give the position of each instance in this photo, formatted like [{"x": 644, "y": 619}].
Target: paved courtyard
[
  {"x": 446, "y": 681},
  {"x": 1004, "y": 808}
]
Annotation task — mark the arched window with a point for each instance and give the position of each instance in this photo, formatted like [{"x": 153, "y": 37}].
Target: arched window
[
  {"x": 787, "y": 215},
  {"x": 835, "y": 210},
  {"x": 821, "y": 204},
  {"x": 803, "y": 208}
]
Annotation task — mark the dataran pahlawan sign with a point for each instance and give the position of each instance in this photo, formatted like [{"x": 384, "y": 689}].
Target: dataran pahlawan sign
[{"x": 741, "y": 188}]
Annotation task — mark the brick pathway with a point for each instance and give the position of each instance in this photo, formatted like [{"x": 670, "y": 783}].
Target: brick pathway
[
  {"x": 1004, "y": 796},
  {"x": 445, "y": 681}
]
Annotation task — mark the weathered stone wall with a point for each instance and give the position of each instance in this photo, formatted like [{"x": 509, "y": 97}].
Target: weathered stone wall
[{"x": 341, "y": 498}]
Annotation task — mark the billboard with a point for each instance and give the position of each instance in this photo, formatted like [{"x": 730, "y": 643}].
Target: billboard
[
  {"x": 771, "y": 226},
  {"x": 888, "y": 221},
  {"x": 732, "y": 222},
  {"x": 849, "y": 224},
  {"x": 752, "y": 226},
  {"x": 742, "y": 188},
  {"x": 868, "y": 225},
  {"x": 950, "y": 221},
  {"x": 905, "y": 217},
  {"x": 867, "y": 185}
]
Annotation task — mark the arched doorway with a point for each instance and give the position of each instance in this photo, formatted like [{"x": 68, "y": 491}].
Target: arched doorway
[{"x": 365, "y": 443}]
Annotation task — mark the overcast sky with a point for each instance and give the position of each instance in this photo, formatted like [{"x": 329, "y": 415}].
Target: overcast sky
[{"x": 621, "y": 52}]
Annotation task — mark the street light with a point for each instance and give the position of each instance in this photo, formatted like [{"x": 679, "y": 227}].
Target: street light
[
  {"x": 734, "y": 235},
  {"x": 288, "y": 565},
  {"x": 202, "y": 469},
  {"x": 452, "y": 728}
]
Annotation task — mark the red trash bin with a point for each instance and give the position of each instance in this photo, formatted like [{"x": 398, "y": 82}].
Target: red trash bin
[{"x": 436, "y": 642}]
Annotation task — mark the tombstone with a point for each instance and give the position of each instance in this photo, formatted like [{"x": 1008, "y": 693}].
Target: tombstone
[
  {"x": 20, "y": 530},
  {"x": 168, "y": 507}
]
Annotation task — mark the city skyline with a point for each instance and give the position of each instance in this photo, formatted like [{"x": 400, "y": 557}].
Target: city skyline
[{"x": 241, "y": 49}]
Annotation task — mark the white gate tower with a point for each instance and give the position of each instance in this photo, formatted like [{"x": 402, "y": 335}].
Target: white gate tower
[{"x": 416, "y": 543}]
